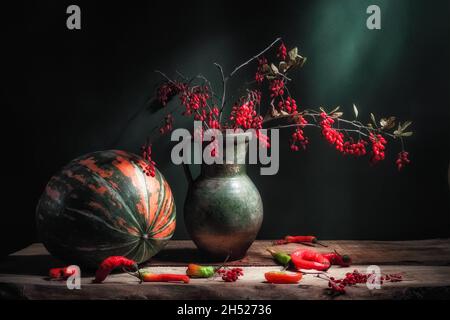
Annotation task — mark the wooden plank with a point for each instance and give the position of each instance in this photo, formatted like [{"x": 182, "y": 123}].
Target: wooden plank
[
  {"x": 425, "y": 265},
  {"x": 180, "y": 252},
  {"x": 420, "y": 282},
  {"x": 423, "y": 252}
]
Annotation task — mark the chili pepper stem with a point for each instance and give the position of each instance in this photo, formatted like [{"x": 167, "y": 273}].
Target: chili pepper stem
[
  {"x": 136, "y": 274},
  {"x": 314, "y": 273},
  {"x": 307, "y": 244},
  {"x": 223, "y": 264}
]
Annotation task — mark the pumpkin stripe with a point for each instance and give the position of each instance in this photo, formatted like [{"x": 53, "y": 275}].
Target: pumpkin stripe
[
  {"x": 165, "y": 212},
  {"x": 143, "y": 247},
  {"x": 106, "y": 248},
  {"x": 128, "y": 170},
  {"x": 92, "y": 165},
  {"x": 119, "y": 198},
  {"x": 96, "y": 218},
  {"x": 161, "y": 217},
  {"x": 154, "y": 191},
  {"x": 134, "y": 250},
  {"x": 138, "y": 173},
  {"x": 168, "y": 217},
  {"x": 160, "y": 199},
  {"x": 168, "y": 229},
  {"x": 167, "y": 220}
]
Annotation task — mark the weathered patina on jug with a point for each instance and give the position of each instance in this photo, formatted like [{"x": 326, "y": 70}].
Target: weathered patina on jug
[{"x": 223, "y": 210}]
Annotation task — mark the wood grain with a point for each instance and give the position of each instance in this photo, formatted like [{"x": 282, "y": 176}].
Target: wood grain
[{"x": 425, "y": 265}]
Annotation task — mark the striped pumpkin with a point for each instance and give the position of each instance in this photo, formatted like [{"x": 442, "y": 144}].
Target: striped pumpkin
[{"x": 103, "y": 204}]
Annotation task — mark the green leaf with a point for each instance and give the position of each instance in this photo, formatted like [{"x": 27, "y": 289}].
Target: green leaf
[
  {"x": 387, "y": 123},
  {"x": 406, "y": 134},
  {"x": 337, "y": 114},
  {"x": 322, "y": 109},
  {"x": 355, "y": 110},
  {"x": 283, "y": 66},
  {"x": 372, "y": 117},
  {"x": 293, "y": 53},
  {"x": 302, "y": 61},
  {"x": 274, "y": 68},
  {"x": 406, "y": 125},
  {"x": 335, "y": 109}
]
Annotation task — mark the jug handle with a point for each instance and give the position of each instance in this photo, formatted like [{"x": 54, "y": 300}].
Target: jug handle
[{"x": 188, "y": 173}]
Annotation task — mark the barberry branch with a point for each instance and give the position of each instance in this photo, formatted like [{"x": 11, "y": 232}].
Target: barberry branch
[{"x": 201, "y": 101}]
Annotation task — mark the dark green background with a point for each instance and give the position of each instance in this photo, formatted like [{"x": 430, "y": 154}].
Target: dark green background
[{"x": 67, "y": 93}]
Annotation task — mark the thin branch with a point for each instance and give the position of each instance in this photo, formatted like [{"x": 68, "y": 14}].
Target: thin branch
[
  {"x": 224, "y": 89},
  {"x": 294, "y": 125},
  {"x": 182, "y": 76},
  {"x": 165, "y": 76},
  {"x": 255, "y": 57}
]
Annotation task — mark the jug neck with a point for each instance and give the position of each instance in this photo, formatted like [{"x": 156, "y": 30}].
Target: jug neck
[{"x": 233, "y": 161}]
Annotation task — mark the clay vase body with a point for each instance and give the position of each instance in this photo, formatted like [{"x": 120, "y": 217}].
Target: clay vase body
[{"x": 223, "y": 210}]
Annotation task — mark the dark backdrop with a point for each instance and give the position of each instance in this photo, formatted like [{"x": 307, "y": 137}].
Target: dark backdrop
[{"x": 66, "y": 93}]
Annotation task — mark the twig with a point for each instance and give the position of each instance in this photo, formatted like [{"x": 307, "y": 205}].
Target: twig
[
  {"x": 255, "y": 57},
  {"x": 165, "y": 76},
  {"x": 224, "y": 89}
]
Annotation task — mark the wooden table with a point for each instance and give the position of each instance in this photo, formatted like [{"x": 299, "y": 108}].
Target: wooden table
[{"x": 425, "y": 266}]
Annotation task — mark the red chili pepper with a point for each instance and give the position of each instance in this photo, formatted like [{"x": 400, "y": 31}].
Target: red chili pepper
[
  {"x": 295, "y": 239},
  {"x": 164, "y": 277},
  {"x": 111, "y": 263},
  {"x": 60, "y": 273},
  {"x": 283, "y": 277},
  {"x": 309, "y": 259},
  {"x": 336, "y": 259},
  {"x": 299, "y": 239}
]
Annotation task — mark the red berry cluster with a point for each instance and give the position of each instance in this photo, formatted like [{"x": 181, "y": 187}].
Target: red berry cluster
[
  {"x": 282, "y": 52},
  {"x": 298, "y": 137},
  {"x": 263, "y": 139},
  {"x": 402, "y": 160},
  {"x": 333, "y": 136},
  {"x": 194, "y": 99},
  {"x": 378, "y": 147},
  {"x": 259, "y": 75},
  {"x": 356, "y": 277},
  {"x": 355, "y": 149},
  {"x": 209, "y": 117},
  {"x": 289, "y": 105},
  {"x": 149, "y": 167},
  {"x": 244, "y": 114},
  {"x": 213, "y": 115},
  {"x": 168, "y": 124},
  {"x": 231, "y": 275},
  {"x": 276, "y": 88},
  {"x": 167, "y": 90}
]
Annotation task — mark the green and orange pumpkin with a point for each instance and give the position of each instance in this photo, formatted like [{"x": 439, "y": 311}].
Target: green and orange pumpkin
[{"x": 103, "y": 204}]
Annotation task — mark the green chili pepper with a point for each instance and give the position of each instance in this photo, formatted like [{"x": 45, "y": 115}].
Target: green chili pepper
[
  {"x": 197, "y": 271},
  {"x": 281, "y": 257}
]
